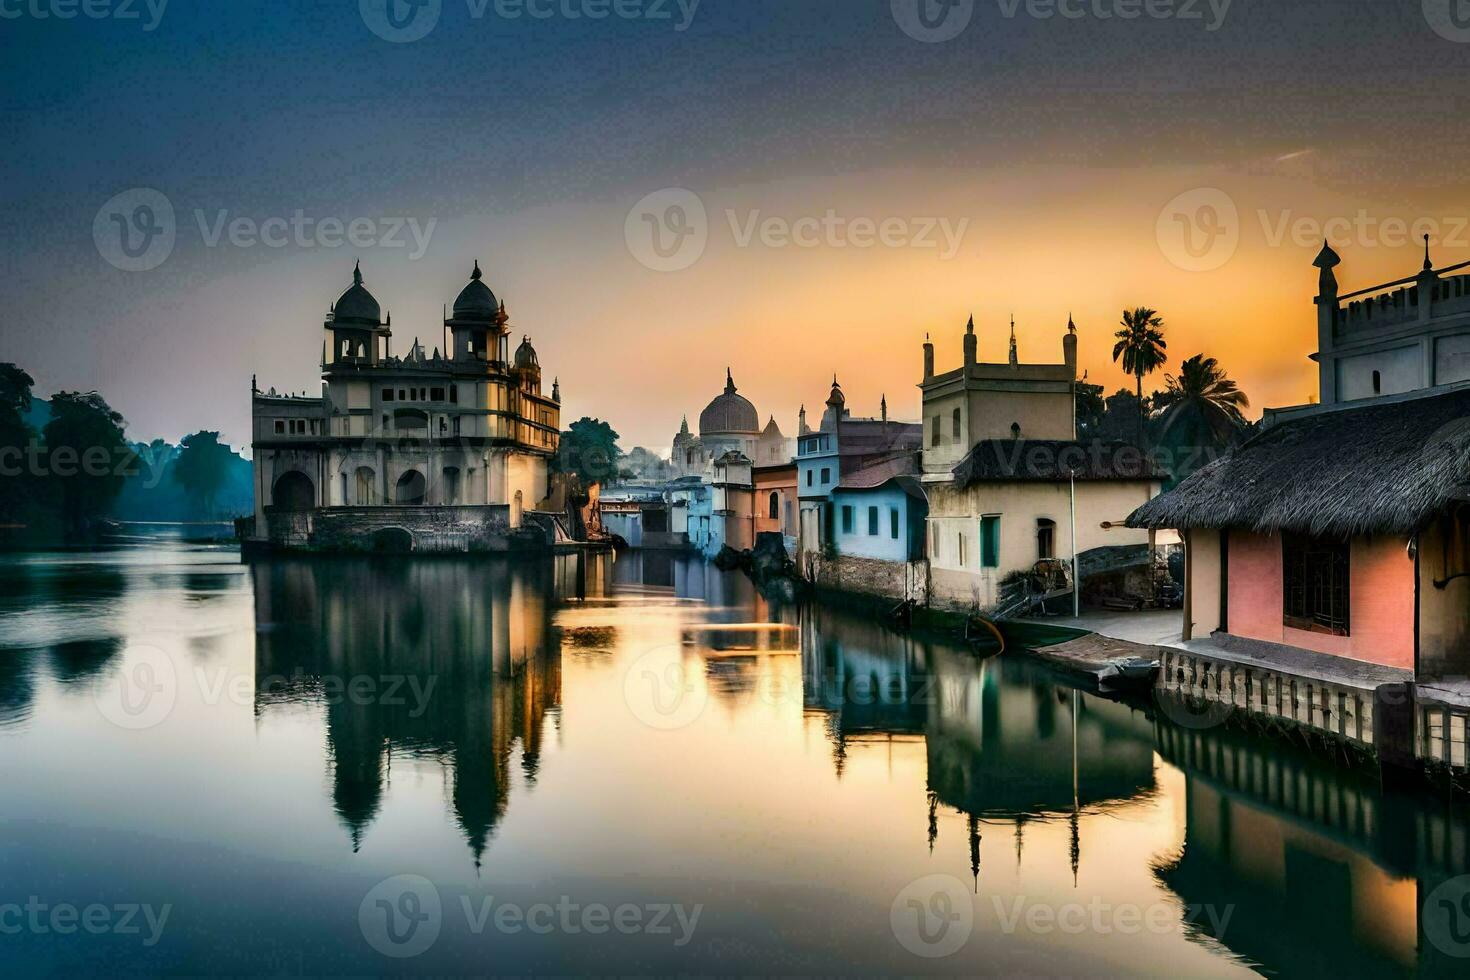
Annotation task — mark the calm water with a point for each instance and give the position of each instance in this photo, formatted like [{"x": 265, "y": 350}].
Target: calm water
[{"x": 450, "y": 767}]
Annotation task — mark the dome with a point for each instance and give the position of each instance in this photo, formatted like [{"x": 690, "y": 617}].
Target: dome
[
  {"x": 476, "y": 301},
  {"x": 357, "y": 305},
  {"x": 729, "y": 413},
  {"x": 526, "y": 354}
]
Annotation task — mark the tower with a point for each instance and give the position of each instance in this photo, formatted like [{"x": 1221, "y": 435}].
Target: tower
[
  {"x": 354, "y": 327},
  {"x": 1327, "y": 313},
  {"x": 971, "y": 343},
  {"x": 928, "y": 358},
  {"x": 1069, "y": 347},
  {"x": 477, "y": 322}
]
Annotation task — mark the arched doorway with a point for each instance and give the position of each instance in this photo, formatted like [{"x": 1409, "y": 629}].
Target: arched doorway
[
  {"x": 411, "y": 489},
  {"x": 392, "y": 541},
  {"x": 293, "y": 492}
]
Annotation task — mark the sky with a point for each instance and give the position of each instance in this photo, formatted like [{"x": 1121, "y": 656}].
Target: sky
[{"x": 789, "y": 188}]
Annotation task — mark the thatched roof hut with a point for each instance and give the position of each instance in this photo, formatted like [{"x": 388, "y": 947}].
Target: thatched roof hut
[{"x": 1381, "y": 468}]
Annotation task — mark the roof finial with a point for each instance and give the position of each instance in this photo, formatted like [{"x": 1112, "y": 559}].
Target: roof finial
[
  {"x": 477, "y": 274},
  {"x": 970, "y": 327},
  {"x": 357, "y": 273},
  {"x": 730, "y": 388},
  {"x": 1071, "y": 324},
  {"x": 1428, "y": 265}
]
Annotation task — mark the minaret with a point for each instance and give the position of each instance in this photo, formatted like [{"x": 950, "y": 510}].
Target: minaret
[
  {"x": 970, "y": 343},
  {"x": 883, "y": 407},
  {"x": 1015, "y": 354},
  {"x": 1327, "y": 312},
  {"x": 928, "y": 358},
  {"x": 1428, "y": 281},
  {"x": 1069, "y": 347},
  {"x": 801, "y": 426},
  {"x": 556, "y": 391}
]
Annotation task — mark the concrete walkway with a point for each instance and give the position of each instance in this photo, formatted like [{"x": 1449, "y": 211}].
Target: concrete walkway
[{"x": 1151, "y": 627}]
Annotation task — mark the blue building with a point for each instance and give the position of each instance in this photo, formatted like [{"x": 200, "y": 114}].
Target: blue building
[{"x": 880, "y": 511}]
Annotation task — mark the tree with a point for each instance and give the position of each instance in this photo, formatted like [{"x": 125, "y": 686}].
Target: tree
[
  {"x": 202, "y": 469},
  {"x": 16, "y": 435},
  {"x": 1090, "y": 410},
  {"x": 1202, "y": 408},
  {"x": 86, "y": 456},
  {"x": 1142, "y": 349},
  {"x": 590, "y": 450}
]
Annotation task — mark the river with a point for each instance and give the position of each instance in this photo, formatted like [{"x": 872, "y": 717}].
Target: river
[{"x": 357, "y": 766}]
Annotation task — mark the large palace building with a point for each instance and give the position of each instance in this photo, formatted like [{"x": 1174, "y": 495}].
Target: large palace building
[{"x": 437, "y": 452}]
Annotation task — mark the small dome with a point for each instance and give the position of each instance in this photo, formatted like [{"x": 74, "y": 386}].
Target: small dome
[
  {"x": 729, "y": 413},
  {"x": 526, "y": 355},
  {"x": 357, "y": 305},
  {"x": 476, "y": 301}
]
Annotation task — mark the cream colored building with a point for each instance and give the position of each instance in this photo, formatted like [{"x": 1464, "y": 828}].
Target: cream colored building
[{"x": 1002, "y": 469}]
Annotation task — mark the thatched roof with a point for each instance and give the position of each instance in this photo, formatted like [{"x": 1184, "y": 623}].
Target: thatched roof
[
  {"x": 1053, "y": 461},
  {"x": 1381, "y": 468}
]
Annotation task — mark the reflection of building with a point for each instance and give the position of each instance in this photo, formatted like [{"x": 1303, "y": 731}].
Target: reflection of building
[
  {"x": 441, "y": 451},
  {"x": 450, "y": 660},
  {"x": 1324, "y": 874}
]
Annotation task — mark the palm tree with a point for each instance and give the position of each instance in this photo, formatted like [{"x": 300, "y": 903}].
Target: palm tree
[
  {"x": 1203, "y": 402},
  {"x": 1142, "y": 349}
]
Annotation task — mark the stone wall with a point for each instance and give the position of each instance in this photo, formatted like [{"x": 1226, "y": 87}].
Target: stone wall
[
  {"x": 428, "y": 530},
  {"x": 870, "y": 577}
]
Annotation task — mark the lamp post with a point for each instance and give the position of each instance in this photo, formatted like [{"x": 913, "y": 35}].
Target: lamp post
[{"x": 1076, "y": 581}]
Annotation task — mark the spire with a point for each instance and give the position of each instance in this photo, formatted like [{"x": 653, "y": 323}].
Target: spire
[
  {"x": 1071, "y": 324},
  {"x": 477, "y": 275},
  {"x": 357, "y": 273},
  {"x": 970, "y": 327},
  {"x": 883, "y": 404},
  {"x": 1015, "y": 354},
  {"x": 556, "y": 390},
  {"x": 730, "y": 388},
  {"x": 1428, "y": 265}
]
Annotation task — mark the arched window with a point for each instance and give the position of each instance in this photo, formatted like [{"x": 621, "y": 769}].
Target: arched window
[
  {"x": 293, "y": 492},
  {"x": 411, "y": 490},
  {"x": 775, "y": 511},
  {"x": 1046, "y": 538}
]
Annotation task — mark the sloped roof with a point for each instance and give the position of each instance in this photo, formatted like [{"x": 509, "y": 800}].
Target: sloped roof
[{"x": 1386, "y": 468}]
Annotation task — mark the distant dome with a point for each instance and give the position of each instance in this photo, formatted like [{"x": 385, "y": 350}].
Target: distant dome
[
  {"x": 357, "y": 305},
  {"x": 476, "y": 301},
  {"x": 729, "y": 413},
  {"x": 526, "y": 355}
]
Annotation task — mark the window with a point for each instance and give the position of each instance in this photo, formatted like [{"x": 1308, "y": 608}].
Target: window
[
  {"x": 957, "y": 424},
  {"x": 1315, "y": 581},
  {"x": 454, "y": 394},
  {"x": 387, "y": 394},
  {"x": 280, "y": 427},
  {"x": 990, "y": 541},
  {"x": 873, "y": 522},
  {"x": 436, "y": 394},
  {"x": 826, "y": 476},
  {"x": 893, "y": 523},
  {"x": 808, "y": 477},
  {"x": 846, "y": 519},
  {"x": 1377, "y": 382},
  {"x": 774, "y": 513},
  {"x": 1046, "y": 538},
  {"x": 960, "y": 548},
  {"x": 934, "y": 431},
  {"x": 402, "y": 396}
]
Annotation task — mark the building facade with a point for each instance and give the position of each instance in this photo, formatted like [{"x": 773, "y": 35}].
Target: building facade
[{"x": 424, "y": 451}]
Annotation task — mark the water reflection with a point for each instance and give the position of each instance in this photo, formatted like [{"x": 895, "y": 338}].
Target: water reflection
[
  {"x": 453, "y": 661},
  {"x": 468, "y": 718}
]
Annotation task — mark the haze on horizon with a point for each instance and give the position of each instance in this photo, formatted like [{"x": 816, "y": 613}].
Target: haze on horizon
[{"x": 1063, "y": 147}]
